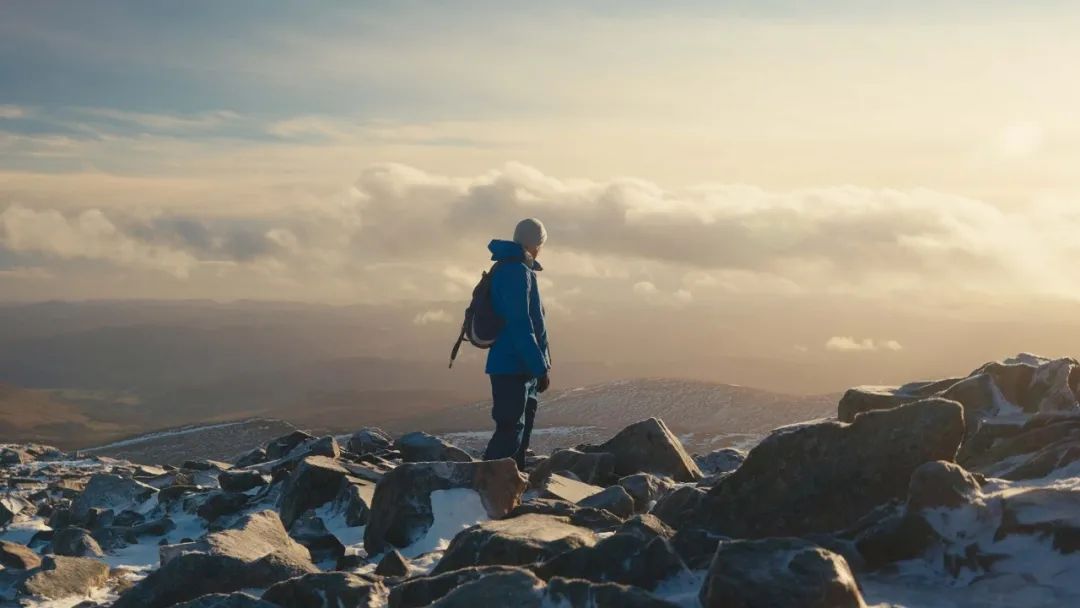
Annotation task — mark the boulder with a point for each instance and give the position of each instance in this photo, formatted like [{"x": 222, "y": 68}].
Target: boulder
[
  {"x": 586, "y": 517},
  {"x": 574, "y": 592},
  {"x": 205, "y": 465},
  {"x": 724, "y": 460},
  {"x": 75, "y": 542},
  {"x": 240, "y": 480},
  {"x": 281, "y": 446},
  {"x": 255, "y": 456},
  {"x": 646, "y": 527},
  {"x": 778, "y": 573},
  {"x": 351, "y": 502},
  {"x": 645, "y": 489},
  {"x": 421, "y": 447},
  {"x": 516, "y": 588},
  {"x": 231, "y": 600},
  {"x": 678, "y": 506},
  {"x": 369, "y": 440},
  {"x": 518, "y": 541},
  {"x": 424, "y": 590},
  {"x": 326, "y": 590},
  {"x": 107, "y": 491},
  {"x": 696, "y": 546},
  {"x": 392, "y": 564},
  {"x": 401, "y": 509},
  {"x": 562, "y": 487},
  {"x": 59, "y": 577},
  {"x": 895, "y": 535},
  {"x": 314, "y": 482},
  {"x": 310, "y": 531},
  {"x": 788, "y": 484},
  {"x": 628, "y": 559},
  {"x": 941, "y": 484},
  {"x": 218, "y": 504},
  {"x": 649, "y": 447},
  {"x": 257, "y": 553},
  {"x": 10, "y": 507},
  {"x": 614, "y": 500},
  {"x": 597, "y": 468},
  {"x": 18, "y": 557}
]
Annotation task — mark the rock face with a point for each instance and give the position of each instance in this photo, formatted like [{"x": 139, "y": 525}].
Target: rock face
[
  {"x": 789, "y": 484},
  {"x": 314, "y": 482},
  {"x": 649, "y": 447},
  {"x": 61, "y": 577},
  {"x": 514, "y": 542},
  {"x": 109, "y": 492},
  {"x": 326, "y": 590},
  {"x": 421, "y": 447},
  {"x": 258, "y": 553},
  {"x": 779, "y": 573},
  {"x": 401, "y": 508}
]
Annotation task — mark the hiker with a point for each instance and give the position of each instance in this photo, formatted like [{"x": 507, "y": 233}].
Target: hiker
[{"x": 518, "y": 361}]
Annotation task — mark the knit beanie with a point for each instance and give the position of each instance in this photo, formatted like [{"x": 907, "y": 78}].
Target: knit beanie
[{"x": 530, "y": 233}]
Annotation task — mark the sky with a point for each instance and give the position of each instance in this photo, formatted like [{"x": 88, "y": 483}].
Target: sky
[{"x": 687, "y": 157}]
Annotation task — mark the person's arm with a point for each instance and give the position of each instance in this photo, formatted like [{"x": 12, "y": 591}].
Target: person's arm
[{"x": 512, "y": 294}]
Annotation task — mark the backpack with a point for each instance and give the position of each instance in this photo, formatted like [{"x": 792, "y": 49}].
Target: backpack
[{"x": 482, "y": 324}]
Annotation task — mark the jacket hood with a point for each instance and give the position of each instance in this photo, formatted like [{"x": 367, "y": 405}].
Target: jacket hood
[{"x": 509, "y": 251}]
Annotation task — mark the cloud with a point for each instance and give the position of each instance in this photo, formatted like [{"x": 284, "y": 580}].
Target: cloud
[
  {"x": 432, "y": 316},
  {"x": 644, "y": 288},
  {"x": 849, "y": 344},
  {"x": 9, "y": 111}
]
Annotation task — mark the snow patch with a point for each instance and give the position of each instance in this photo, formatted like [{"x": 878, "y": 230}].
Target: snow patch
[{"x": 453, "y": 511}]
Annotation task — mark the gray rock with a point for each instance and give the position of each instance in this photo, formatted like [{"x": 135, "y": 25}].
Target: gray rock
[
  {"x": 392, "y": 564},
  {"x": 696, "y": 546},
  {"x": 573, "y": 592},
  {"x": 401, "y": 508},
  {"x": 724, "y": 460},
  {"x": 646, "y": 527},
  {"x": 614, "y": 500},
  {"x": 60, "y": 577},
  {"x": 645, "y": 489},
  {"x": 586, "y": 517},
  {"x": 240, "y": 480},
  {"x": 678, "y": 506},
  {"x": 218, "y": 504},
  {"x": 255, "y": 456},
  {"x": 564, "y": 487},
  {"x": 12, "y": 506},
  {"x": 18, "y": 557},
  {"x": 311, "y": 532},
  {"x": 649, "y": 447},
  {"x": 369, "y": 440},
  {"x": 513, "y": 588},
  {"x": 351, "y": 502},
  {"x": 105, "y": 491},
  {"x": 257, "y": 553},
  {"x": 787, "y": 486},
  {"x": 231, "y": 600},
  {"x": 941, "y": 484},
  {"x": 596, "y": 468},
  {"x": 622, "y": 558},
  {"x": 75, "y": 542},
  {"x": 424, "y": 590},
  {"x": 514, "y": 542},
  {"x": 326, "y": 590},
  {"x": 421, "y": 447},
  {"x": 285, "y": 444},
  {"x": 779, "y": 573},
  {"x": 314, "y": 482},
  {"x": 895, "y": 535}
]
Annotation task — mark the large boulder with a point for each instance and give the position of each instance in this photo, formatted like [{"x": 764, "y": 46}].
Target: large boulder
[
  {"x": 281, "y": 446},
  {"x": 679, "y": 505},
  {"x": 326, "y": 590},
  {"x": 941, "y": 484},
  {"x": 649, "y": 447},
  {"x": 257, "y": 553},
  {"x": 421, "y": 447},
  {"x": 369, "y": 440},
  {"x": 401, "y": 510},
  {"x": 424, "y": 590},
  {"x": 514, "y": 542},
  {"x": 778, "y": 573},
  {"x": 60, "y": 577},
  {"x": 311, "y": 531},
  {"x": 645, "y": 489},
  {"x": 75, "y": 542},
  {"x": 106, "y": 491},
  {"x": 218, "y": 504},
  {"x": 591, "y": 468},
  {"x": 614, "y": 499},
  {"x": 314, "y": 482},
  {"x": 240, "y": 480},
  {"x": 587, "y": 517},
  {"x": 820, "y": 477},
  {"x": 629, "y": 559}
]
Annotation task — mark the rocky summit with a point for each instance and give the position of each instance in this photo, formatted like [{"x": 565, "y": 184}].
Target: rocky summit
[{"x": 960, "y": 492}]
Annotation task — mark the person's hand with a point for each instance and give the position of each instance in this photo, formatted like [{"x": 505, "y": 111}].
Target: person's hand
[{"x": 543, "y": 383}]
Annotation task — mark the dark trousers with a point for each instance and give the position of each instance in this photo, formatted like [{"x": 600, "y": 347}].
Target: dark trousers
[{"x": 513, "y": 408}]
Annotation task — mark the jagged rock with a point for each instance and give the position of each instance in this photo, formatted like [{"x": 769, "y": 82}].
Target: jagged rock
[
  {"x": 645, "y": 489},
  {"x": 171, "y": 493},
  {"x": 206, "y": 465},
  {"x": 10, "y": 507},
  {"x": 326, "y": 590},
  {"x": 1047, "y": 439},
  {"x": 649, "y": 447},
  {"x": 622, "y": 558},
  {"x": 696, "y": 546},
  {"x": 314, "y": 482},
  {"x": 369, "y": 440},
  {"x": 724, "y": 460},
  {"x": 779, "y": 573},
  {"x": 10, "y": 455},
  {"x": 893, "y": 535},
  {"x": 572, "y": 592},
  {"x": 255, "y": 456},
  {"x": 59, "y": 577},
  {"x": 18, "y": 557},
  {"x": 106, "y": 491},
  {"x": 586, "y": 517},
  {"x": 941, "y": 484},
  {"x": 519, "y": 541},
  {"x": 401, "y": 508},
  {"x": 678, "y": 506},
  {"x": 351, "y": 503},
  {"x": 561, "y": 487},
  {"x": 421, "y": 447},
  {"x": 154, "y": 527},
  {"x": 424, "y": 590},
  {"x": 310, "y": 531},
  {"x": 325, "y": 446},
  {"x": 597, "y": 468},
  {"x": 221, "y": 600},
  {"x": 240, "y": 481},
  {"x": 520, "y": 588},
  {"x": 75, "y": 542},
  {"x": 646, "y": 527},
  {"x": 219, "y": 503},
  {"x": 257, "y": 553},
  {"x": 512, "y": 588},
  {"x": 787, "y": 486},
  {"x": 285, "y": 444},
  {"x": 392, "y": 564},
  {"x": 870, "y": 398},
  {"x": 614, "y": 500}
]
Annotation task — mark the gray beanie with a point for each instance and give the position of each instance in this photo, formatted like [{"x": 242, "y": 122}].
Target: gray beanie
[{"x": 530, "y": 233}]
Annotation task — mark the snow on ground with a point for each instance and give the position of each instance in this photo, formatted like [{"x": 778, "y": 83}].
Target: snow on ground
[{"x": 453, "y": 511}]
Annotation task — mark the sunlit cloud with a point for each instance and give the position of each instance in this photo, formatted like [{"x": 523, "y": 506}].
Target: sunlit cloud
[{"x": 849, "y": 344}]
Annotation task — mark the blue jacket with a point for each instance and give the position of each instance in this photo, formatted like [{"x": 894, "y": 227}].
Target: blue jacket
[{"x": 522, "y": 345}]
